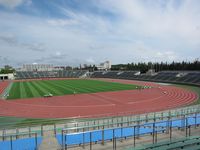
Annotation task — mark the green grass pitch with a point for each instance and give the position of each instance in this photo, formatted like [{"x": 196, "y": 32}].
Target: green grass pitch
[{"x": 39, "y": 88}]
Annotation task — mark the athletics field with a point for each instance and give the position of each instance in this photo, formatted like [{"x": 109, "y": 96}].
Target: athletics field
[{"x": 39, "y": 88}]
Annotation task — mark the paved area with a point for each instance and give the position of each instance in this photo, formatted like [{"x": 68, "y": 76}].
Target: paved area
[{"x": 49, "y": 142}]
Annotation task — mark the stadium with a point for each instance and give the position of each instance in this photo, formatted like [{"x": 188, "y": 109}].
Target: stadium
[
  {"x": 99, "y": 75},
  {"x": 98, "y": 110},
  {"x": 89, "y": 97}
]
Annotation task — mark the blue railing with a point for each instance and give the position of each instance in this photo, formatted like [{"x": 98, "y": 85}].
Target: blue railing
[
  {"x": 11, "y": 143},
  {"x": 79, "y": 138}
]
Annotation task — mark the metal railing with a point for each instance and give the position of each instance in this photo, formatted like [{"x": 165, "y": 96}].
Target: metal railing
[{"x": 75, "y": 123}]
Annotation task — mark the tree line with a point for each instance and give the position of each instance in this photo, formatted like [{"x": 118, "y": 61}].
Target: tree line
[
  {"x": 7, "y": 69},
  {"x": 162, "y": 66}
]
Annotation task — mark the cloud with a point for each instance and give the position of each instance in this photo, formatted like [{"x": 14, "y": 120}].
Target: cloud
[
  {"x": 4, "y": 60},
  {"x": 121, "y": 31},
  {"x": 13, "y": 41},
  {"x": 39, "y": 47},
  {"x": 98, "y": 46},
  {"x": 58, "y": 53},
  {"x": 61, "y": 22},
  {"x": 82, "y": 22},
  {"x": 8, "y": 39},
  {"x": 167, "y": 55},
  {"x": 157, "y": 20},
  {"x": 58, "y": 57},
  {"x": 12, "y": 3},
  {"x": 90, "y": 60}
]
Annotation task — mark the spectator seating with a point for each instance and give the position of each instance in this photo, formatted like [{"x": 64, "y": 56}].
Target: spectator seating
[
  {"x": 192, "y": 143},
  {"x": 189, "y": 77},
  {"x": 50, "y": 74}
]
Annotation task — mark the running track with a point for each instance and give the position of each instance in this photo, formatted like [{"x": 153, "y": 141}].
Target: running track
[{"x": 102, "y": 104}]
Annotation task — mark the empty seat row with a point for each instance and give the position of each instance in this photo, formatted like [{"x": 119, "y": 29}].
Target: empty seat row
[
  {"x": 164, "y": 76},
  {"x": 182, "y": 143},
  {"x": 50, "y": 74}
]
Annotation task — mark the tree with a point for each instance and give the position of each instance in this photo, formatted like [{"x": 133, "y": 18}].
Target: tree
[
  {"x": 162, "y": 66},
  {"x": 7, "y": 69}
]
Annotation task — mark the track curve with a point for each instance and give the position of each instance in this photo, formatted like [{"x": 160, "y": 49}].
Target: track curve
[{"x": 102, "y": 104}]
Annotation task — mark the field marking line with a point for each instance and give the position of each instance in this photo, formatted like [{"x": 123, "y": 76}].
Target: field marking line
[
  {"x": 48, "y": 106},
  {"x": 145, "y": 100}
]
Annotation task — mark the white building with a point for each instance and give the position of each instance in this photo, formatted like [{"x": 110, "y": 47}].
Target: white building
[
  {"x": 104, "y": 66},
  {"x": 9, "y": 76},
  {"x": 37, "y": 67}
]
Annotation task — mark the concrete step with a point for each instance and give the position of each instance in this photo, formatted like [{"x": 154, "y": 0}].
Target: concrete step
[{"x": 49, "y": 142}]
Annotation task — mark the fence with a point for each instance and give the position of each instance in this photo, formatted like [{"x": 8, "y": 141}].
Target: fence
[
  {"x": 58, "y": 124},
  {"x": 95, "y": 130},
  {"x": 90, "y": 137},
  {"x": 29, "y": 141}
]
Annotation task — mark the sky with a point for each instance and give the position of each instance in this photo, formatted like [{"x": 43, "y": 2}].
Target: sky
[{"x": 73, "y": 32}]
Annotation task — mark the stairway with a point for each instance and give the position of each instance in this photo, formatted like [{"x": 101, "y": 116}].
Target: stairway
[{"x": 49, "y": 142}]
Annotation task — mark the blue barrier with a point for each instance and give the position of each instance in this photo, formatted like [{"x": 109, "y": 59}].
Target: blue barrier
[
  {"x": 100, "y": 135},
  {"x": 80, "y": 138},
  {"x": 108, "y": 134},
  {"x": 21, "y": 144}
]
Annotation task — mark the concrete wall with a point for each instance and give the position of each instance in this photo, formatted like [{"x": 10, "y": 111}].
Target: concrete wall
[{"x": 9, "y": 76}]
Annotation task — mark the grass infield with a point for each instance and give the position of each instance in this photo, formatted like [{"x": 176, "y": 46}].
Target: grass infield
[{"x": 39, "y": 88}]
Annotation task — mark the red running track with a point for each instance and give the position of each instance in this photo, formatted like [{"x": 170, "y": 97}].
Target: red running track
[
  {"x": 3, "y": 86},
  {"x": 103, "y": 104}
]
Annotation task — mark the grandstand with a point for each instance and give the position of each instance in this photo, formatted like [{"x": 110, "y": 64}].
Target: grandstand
[
  {"x": 50, "y": 74},
  {"x": 114, "y": 74},
  {"x": 191, "y": 143},
  {"x": 186, "y": 77}
]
